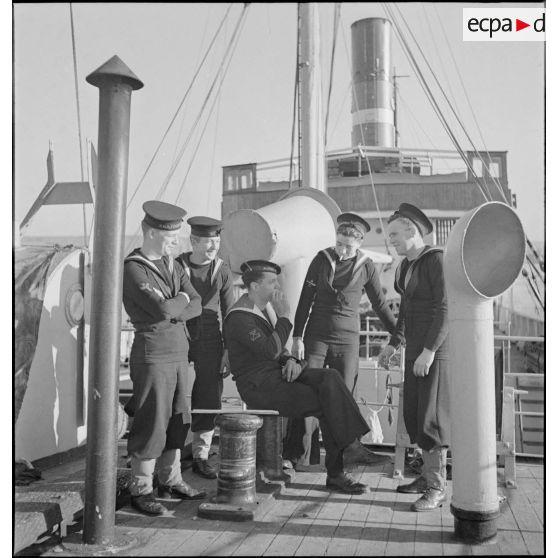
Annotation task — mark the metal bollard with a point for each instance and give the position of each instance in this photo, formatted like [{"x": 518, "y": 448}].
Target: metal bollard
[
  {"x": 269, "y": 448},
  {"x": 236, "y": 481}
]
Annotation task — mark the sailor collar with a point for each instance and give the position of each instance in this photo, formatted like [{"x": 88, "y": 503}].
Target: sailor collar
[
  {"x": 244, "y": 304},
  {"x": 331, "y": 257},
  {"x": 407, "y": 289},
  {"x": 137, "y": 256},
  {"x": 216, "y": 264}
]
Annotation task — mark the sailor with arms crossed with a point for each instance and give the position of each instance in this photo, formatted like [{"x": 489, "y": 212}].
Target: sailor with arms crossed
[{"x": 159, "y": 299}]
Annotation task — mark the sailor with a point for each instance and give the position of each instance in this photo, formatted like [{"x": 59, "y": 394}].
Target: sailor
[
  {"x": 328, "y": 316},
  {"x": 269, "y": 377},
  {"x": 212, "y": 279},
  {"x": 423, "y": 321},
  {"x": 159, "y": 299}
]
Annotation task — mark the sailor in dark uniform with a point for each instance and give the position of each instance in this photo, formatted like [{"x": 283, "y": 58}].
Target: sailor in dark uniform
[
  {"x": 424, "y": 324},
  {"x": 159, "y": 299},
  {"x": 212, "y": 279},
  {"x": 269, "y": 377},
  {"x": 328, "y": 316}
]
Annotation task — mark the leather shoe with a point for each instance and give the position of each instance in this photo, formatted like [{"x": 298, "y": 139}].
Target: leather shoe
[
  {"x": 183, "y": 491},
  {"x": 202, "y": 468},
  {"x": 432, "y": 499},
  {"x": 346, "y": 483},
  {"x": 358, "y": 454},
  {"x": 418, "y": 486},
  {"x": 146, "y": 503}
]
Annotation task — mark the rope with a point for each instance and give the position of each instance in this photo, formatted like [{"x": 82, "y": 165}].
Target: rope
[
  {"x": 180, "y": 105},
  {"x": 78, "y": 117},
  {"x": 336, "y": 14}
]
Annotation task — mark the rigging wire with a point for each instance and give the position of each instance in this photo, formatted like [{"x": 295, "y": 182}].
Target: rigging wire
[
  {"x": 437, "y": 53},
  {"x": 432, "y": 100},
  {"x": 452, "y": 108},
  {"x": 74, "y": 56},
  {"x": 529, "y": 244},
  {"x": 365, "y": 155},
  {"x": 336, "y": 14},
  {"x": 212, "y": 164},
  {"x": 229, "y": 52},
  {"x": 183, "y": 148},
  {"x": 440, "y": 115},
  {"x": 180, "y": 105},
  {"x": 456, "y": 66},
  {"x": 183, "y": 119}
]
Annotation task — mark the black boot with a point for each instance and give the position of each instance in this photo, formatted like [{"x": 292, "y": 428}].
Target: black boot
[
  {"x": 418, "y": 486},
  {"x": 202, "y": 468},
  {"x": 432, "y": 499},
  {"x": 146, "y": 503},
  {"x": 182, "y": 491},
  {"x": 346, "y": 483}
]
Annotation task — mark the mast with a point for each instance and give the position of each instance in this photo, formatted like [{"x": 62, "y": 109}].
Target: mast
[{"x": 312, "y": 160}]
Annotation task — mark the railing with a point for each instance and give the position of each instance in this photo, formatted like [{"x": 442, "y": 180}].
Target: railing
[{"x": 369, "y": 347}]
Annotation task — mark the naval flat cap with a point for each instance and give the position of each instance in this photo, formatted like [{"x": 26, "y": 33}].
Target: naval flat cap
[
  {"x": 355, "y": 220},
  {"x": 413, "y": 213},
  {"x": 205, "y": 226},
  {"x": 163, "y": 216},
  {"x": 260, "y": 265}
]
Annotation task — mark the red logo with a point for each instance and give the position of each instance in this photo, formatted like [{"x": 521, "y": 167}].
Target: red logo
[{"x": 519, "y": 25}]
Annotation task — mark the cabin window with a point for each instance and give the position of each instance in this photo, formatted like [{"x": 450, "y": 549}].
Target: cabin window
[
  {"x": 239, "y": 178},
  {"x": 477, "y": 166},
  {"x": 494, "y": 169}
]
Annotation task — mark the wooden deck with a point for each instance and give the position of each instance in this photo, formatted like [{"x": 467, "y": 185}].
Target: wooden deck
[{"x": 308, "y": 520}]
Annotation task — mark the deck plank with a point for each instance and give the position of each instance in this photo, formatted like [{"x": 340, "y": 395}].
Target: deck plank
[
  {"x": 402, "y": 532},
  {"x": 291, "y": 535},
  {"x": 522, "y": 510},
  {"x": 324, "y": 525},
  {"x": 511, "y": 542},
  {"x": 349, "y": 532},
  {"x": 374, "y": 535},
  {"x": 534, "y": 542},
  {"x": 231, "y": 536},
  {"x": 290, "y": 504}
]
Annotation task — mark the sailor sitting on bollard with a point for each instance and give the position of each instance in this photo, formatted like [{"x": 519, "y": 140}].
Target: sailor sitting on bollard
[
  {"x": 423, "y": 321},
  {"x": 212, "y": 279},
  {"x": 268, "y": 377}
]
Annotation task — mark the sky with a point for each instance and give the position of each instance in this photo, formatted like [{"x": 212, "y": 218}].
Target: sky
[{"x": 252, "y": 117}]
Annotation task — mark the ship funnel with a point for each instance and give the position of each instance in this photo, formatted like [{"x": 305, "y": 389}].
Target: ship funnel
[
  {"x": 373, "y": 97},
  {"x": 288, "y": 232},
  {"x": 484, "y": 256}
]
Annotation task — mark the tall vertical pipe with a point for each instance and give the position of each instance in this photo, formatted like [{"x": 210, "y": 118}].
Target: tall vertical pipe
[
  {"x": 115, "y": 82},
  {"x": 373, "y": 94},
  {"x": 312, "y": 164},
  {"x": 484, "y": 255}
]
